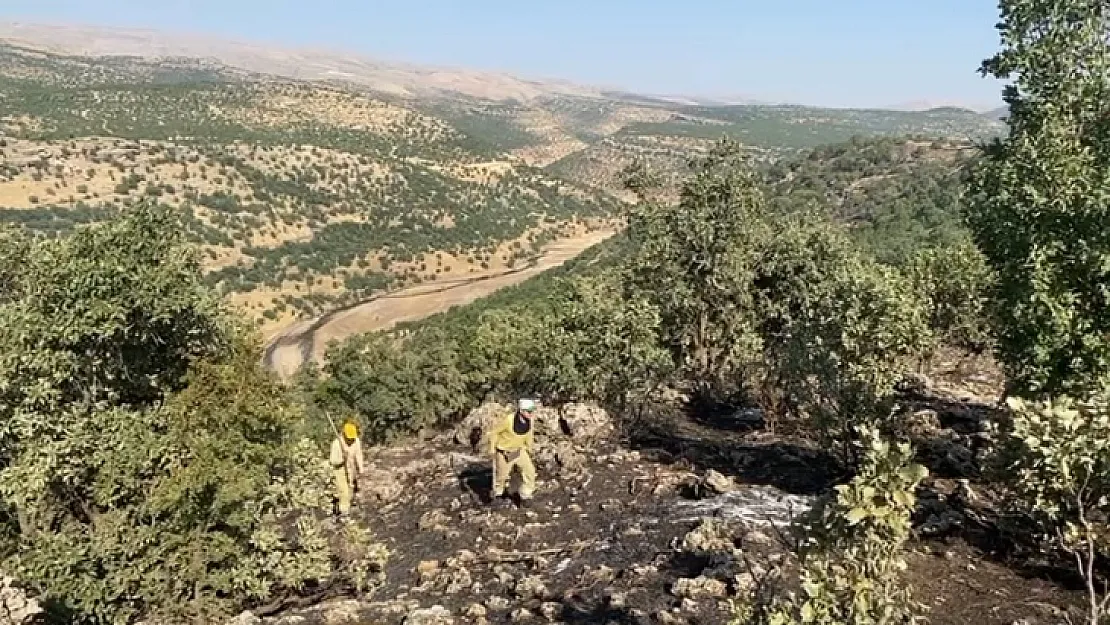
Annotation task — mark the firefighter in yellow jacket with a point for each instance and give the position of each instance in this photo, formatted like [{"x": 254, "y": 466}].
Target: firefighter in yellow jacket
[
  {"x": 347, "y": 465},
  {"x": 512, "y": 443}
]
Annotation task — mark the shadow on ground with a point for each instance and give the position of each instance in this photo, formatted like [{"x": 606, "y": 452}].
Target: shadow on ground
[{"x": 711, "y": 442}]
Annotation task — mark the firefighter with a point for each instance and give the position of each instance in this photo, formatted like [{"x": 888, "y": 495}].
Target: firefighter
[
  {"x": 347, "y": 465},
  {"x": 512, "y": 445}
]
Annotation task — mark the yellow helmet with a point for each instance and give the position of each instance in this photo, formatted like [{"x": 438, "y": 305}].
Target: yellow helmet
[{"x": 350, "y": 430}]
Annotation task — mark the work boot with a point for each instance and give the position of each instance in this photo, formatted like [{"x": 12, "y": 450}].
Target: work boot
[
  {"x": 500, "y": 502},
  {"x": 526, "y": 502}
]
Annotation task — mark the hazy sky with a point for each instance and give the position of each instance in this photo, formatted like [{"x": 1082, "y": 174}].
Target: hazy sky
[{"x": 831, "y": 52}]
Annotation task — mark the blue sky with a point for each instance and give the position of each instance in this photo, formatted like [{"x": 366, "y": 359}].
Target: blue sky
[{"x": 828, "y": 52}]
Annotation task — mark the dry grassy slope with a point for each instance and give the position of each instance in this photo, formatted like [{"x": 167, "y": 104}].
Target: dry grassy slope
[{"x": 270, "y": 174}]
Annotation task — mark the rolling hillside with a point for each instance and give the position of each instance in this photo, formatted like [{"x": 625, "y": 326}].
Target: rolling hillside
[{"x": 311, "y": 196}]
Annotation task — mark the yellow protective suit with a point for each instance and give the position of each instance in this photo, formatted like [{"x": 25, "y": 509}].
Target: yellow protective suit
[
  {"x": 346, "y": 464},
  {"x": 513, "y": 450}
]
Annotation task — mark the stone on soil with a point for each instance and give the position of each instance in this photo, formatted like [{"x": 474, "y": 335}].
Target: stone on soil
[
  {"x": 699, "y": 588},
  {"x": 18, "y": 607},
  {"x": 244, "y": 618},
  {"x": 585, "y": 422},
  {"x": 435, "y": 615},
  {"x": 717, "y": 484}
]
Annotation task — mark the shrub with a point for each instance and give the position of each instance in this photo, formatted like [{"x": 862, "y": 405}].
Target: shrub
[
  {"x": 1061, "y": 473},
  {"x": 852, "y": 555},
  {"x": 954, "y": 282},
  {"x": 836, "y": 328}
]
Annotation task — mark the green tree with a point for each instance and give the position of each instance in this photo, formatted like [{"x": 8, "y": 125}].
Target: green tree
[
  {"x": 695, "y": 261},
  {"x": 954, "y": 281},
  {"x": 837, "y": 328},
  {"x": 142, "y": 447},
  {"x": 604, "y": 343},
  {"x": 1040, "y": 199},
  {"x": 395, "y": 384}
]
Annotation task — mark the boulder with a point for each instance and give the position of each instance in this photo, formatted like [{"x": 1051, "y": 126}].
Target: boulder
[
  {"x": 699, "y": 588},
  {"x": 435, "y": 615},
  {"x": 585, "y": 422},
  {"x": 716, "y": 483},
  {"x": 18, "y": 608},
  {"x": 245, "y": 618},
  {"x": 559, "y": 458},
  {"x": 472, "y": 430}
]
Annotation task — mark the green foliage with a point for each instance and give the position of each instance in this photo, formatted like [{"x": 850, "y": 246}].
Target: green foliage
[
  {"x": 897, "y": 194},
  {"x": 144, "y": 453},
  {"x": 955, "y": 282},
  {"x": 695, "y": 261},
  {"x": 1061, "y": 474},
  {"x": 606, "y": 343},
  {"x": 836, "y": 328},
  {"x": 1039, "y": 199},
  {"x": 853, "y": 553},
  {"x": 396, "y": 385},
  {"x": 788, "y": 126}
]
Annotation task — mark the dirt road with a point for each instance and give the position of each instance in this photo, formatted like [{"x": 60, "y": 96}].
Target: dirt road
[{"x": 308, "y": 340}]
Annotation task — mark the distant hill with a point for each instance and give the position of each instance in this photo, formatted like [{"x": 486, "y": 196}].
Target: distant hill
[
  {"x": 1000, "y": 113},
  {"x": 306, "y": 195}
]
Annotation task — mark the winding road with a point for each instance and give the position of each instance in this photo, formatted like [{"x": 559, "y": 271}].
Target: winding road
[{"x": 306, "y": 340}]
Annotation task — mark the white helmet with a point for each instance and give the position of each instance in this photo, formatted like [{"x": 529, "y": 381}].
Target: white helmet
[{"x": 526, "y": 405}]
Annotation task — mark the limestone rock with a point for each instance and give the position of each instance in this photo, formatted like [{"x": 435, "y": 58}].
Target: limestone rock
[
  {"x": 921, "y": 424},
  {"x": 521, "y": 615},
  {"x": 716, "y": 483},
  {"x": 531, "y": 587},
  {"x": 381, "y": 486},
  {"x": 435, "y": 615},
  {"x": 17, "y": 606},
  {"x": 710, "y": 535},
  {"x": 475, "y": 610},
  {"x": 497, "y": 603},
  {"x": 551, "y": 610},
  {"x": 245, "y": 618},
  {"x": 585, "y": 422},
  {"x": 559, "y": 457},
  {"x": 699, "y": 588},
  {"x": 472, "y": 430},
  {"x": 459, "y": 581}
]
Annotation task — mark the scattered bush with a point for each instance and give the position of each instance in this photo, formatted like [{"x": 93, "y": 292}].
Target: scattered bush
[{"x": 852, "y": 554}]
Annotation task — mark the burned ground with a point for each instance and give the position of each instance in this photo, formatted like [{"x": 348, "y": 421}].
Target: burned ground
[{"x": 667, "y": 524}]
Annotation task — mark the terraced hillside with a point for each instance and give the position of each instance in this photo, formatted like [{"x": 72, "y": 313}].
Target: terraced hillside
[{"x": 303, "y": 196}]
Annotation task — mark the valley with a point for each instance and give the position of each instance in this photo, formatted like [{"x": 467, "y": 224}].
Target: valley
[{"x": 306, "y": 197}]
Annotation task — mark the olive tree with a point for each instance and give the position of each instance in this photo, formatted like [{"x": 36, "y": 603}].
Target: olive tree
[{"x": 1039, "y": 200}]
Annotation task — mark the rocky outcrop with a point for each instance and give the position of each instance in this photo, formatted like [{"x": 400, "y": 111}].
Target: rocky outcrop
[
  {"x": 585, "y": 422},
  {"x": 435, "y": 615},
  {"x": 16, "y": 606}
]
